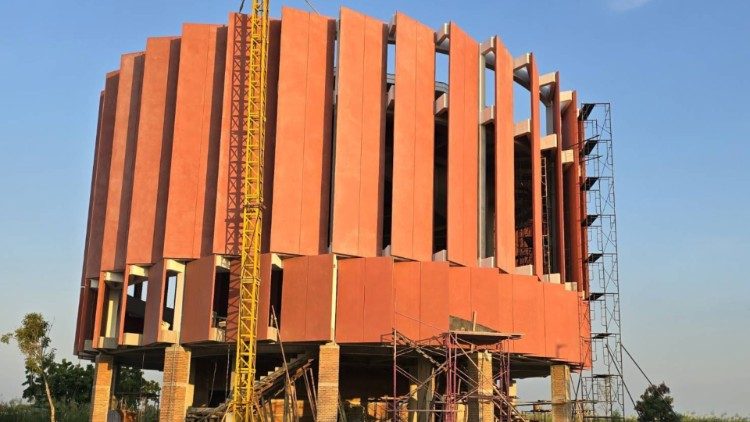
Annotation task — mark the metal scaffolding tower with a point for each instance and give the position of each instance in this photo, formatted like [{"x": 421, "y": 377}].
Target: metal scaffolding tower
[{"x": 601, "y": 389}]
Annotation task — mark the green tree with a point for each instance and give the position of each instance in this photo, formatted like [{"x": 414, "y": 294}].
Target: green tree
[
  {"x": 33, "y": 341},
  {"x": 68, "y": 382},
  {"x": 131, "y": 386},
  {"x": 656, "y": 405}
]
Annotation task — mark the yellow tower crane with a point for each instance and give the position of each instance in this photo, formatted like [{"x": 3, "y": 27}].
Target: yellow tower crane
[{"x": 243, "y": 399}]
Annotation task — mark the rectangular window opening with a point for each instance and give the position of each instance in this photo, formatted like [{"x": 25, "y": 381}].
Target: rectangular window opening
[
  {"x": 521, "y": 103},
  {"x": 388, "y": 182},
  {"x": 170, "y": 289},
  {"x": 440, "y": 181},
  {"x": 442, "y": 67},
  {"x": 220, "y": 306},
  {"x": 277, "y": 281},
  {"x": 523, "y": 198},
  {"x": 135, "y": 308},
  {"x": 390, "y": 62},
  {"x": 488, "y": 76},
  {"x": 487, "y": 191}
]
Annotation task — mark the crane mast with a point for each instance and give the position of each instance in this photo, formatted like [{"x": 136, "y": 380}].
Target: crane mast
[{"x": 243, "y": 399}]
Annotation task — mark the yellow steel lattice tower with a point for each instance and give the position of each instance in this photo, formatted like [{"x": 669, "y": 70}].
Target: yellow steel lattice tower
[{"x": 252, "y": 211}]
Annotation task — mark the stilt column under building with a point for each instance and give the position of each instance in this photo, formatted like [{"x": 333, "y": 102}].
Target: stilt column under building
[
  {"x": 176, "y": 393},
  {"x": 328, "y": 383},
  {"x": 102, "y": 390},
  {"x": 480, "y": 406},
  {"x": 422, "y": 392},
  {"x": 561, "y": 406}
]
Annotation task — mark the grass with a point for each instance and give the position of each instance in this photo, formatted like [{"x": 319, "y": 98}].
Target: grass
[{"x": 18, "y": 411}]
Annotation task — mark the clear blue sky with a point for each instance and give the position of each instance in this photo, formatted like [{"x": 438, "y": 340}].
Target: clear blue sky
[{"x": 676, "y": 71}]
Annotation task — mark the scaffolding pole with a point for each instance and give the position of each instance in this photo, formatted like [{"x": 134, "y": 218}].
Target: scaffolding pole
[{"x": 600, "y": 388}]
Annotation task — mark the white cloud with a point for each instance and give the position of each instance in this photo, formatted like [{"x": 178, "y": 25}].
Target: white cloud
[{"x": 625, "y": 5}]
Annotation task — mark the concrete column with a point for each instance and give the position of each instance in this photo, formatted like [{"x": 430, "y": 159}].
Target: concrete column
[
  {"x": 480, "y": 407},
  {"x": 102, "y": 390},
  {"x": 513, "y": 392},
  {"x": 561, "y": 406},
  {"x": 177, "y": 392},
  {"x": 328, "y": 383},
  {"x": 420, "y": 398}
]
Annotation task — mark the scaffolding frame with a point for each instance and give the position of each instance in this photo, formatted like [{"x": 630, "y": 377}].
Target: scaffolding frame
[
  {"x": 450, "y": 356},
  {"x": 600, "y": 389}
]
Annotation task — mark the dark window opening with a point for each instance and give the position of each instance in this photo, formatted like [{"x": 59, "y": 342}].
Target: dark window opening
[
  {"x": 388, "y": 181},
  {"x": 487, "y": 196},
  {"x": 524, "y": 202},
  {"x": 91, "y": 312},
  {"x": 277, "y": 280},
  {"x": 135, "y": 307},
  {"x": 567, "y": 175},
  {"x": 440, "y": 181},
  {"x": 549, "y": 212},
  {"x": 221, "y": 299}
]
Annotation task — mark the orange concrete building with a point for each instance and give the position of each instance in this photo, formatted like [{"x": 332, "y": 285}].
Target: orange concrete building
[{"x": 408, "y": 200}]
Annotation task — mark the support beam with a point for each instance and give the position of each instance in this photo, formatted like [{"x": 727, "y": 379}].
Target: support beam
[
  {"x": 328, "y": 383},
  {"x": 177, "y": 392},
  {"x": 561, "y": 405},
  {"x": 102, "y": 389},
  {"x": 480, "y": 405}
]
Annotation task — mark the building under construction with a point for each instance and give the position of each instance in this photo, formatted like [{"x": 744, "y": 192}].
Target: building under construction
[{"x": 422, "y": 248}]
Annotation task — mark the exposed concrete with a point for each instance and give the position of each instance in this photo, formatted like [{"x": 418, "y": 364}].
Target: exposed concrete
[{"x": 480, "y": 407}]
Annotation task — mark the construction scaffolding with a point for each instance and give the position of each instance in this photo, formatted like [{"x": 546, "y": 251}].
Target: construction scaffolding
[
  {"x": 449, "y": 375},
  {"x": 600, "y": 390}
]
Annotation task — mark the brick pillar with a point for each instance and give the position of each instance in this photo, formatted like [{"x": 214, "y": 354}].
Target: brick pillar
[
  {"x": 176, "y": 393},
  {"x": 102, "y": 390},
  {"x": 561, "y": 406},
  {"x": 328, "y": 383},
  {"x": 480, "y": 407}
]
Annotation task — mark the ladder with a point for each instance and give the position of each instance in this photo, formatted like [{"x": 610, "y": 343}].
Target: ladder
[{"x": 243, "y": 397}]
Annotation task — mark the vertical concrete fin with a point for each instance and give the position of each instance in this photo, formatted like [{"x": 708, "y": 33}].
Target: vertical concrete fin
[
  {"x": 413, "y": 140},
  {"x": 119, "y": 191},
  {"x": 505, "y": 214},
  {"x": 299, "y": 223},
  {"x": 536, "y": 167},
  {"x": 360, "y": 136},
  {"x": 463, "y": 148},
  {"x": 152, "y": 155},
  {"x": 193, "y": 171}
]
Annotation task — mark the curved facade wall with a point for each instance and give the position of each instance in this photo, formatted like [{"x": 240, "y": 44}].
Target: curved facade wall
[{"x": 391, "y": 202}]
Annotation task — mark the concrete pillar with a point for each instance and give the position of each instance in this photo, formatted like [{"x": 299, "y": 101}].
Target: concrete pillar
[
  {"x": 480, "y": 407},
  {"x": 513, "y": 392},
  {"x": 561, "y": 406},
  {"x": 419, "y": 405},
  {"x": 177, "y": 392},
  {"x": 328, "y": 383},
  {"x": 102, "y": 389}
]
